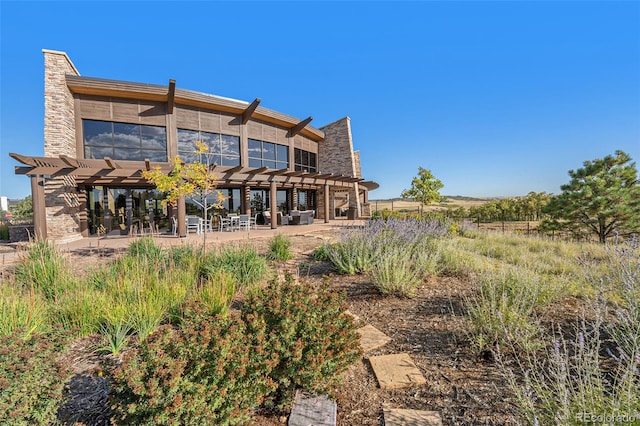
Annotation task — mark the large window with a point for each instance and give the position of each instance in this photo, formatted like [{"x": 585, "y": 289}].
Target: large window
[
  {"x": 267, "y": 154},
  {"x": 223, "y": 149},
  {"x": 124, "y": 141},
  {"x": 305, "y": 161}
]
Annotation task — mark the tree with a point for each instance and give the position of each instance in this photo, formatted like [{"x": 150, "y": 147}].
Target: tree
[
  {"x": 194, "y": 180},
  {"x": 602, "y": 197},
  {"x": 425, "y": 188},
  {"x": 23, "y": 209}
]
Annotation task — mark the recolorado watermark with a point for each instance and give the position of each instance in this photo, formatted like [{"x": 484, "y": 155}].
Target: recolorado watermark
[{"x": 607, "y": 418}]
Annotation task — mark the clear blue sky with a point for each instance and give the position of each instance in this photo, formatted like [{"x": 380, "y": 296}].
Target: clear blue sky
[{"x": 495, "y": 98}]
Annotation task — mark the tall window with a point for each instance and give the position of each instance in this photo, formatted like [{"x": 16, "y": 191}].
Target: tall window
[
  {"x": 267, "y": 154},
  {"x": 225, "y": 149},
  {"x": 124, "y": 141},
  {"x": 305, "y": 160}
]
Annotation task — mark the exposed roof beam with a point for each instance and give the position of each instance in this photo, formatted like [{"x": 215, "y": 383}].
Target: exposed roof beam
[
  {"x": 110, "y": 163},
  {"x": 257, "y": 171},
  {"x": 171, "y": 96},
  {"x": 298, "y": 127},
  {"x": 296, "y": 173},
  {"x": 69, "y": 161},
  {"x": 247, "y": 113},
  {"x": 23, "y": 159}
]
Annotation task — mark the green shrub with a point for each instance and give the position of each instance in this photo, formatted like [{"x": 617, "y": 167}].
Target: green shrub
[
  {"x": 504, "y": 309},
  {"x": 31, "y": 378},
  {"x": 308, "y": 332},
  {"x": 394, "y": 272},
  {"x": 280, "y": 248},
  {"x": 206, "y": 372},
  {"x": 321, "y": 253},
  {"x": 4, "y": 231}
]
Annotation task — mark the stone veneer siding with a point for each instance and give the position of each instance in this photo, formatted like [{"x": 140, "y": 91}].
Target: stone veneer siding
[
  {"x": 63, "y": 206},
  {"x": 336, "y": 155}
]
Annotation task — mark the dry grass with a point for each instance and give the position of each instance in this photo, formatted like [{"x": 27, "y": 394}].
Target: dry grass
[{"x": 452, "y": 202}]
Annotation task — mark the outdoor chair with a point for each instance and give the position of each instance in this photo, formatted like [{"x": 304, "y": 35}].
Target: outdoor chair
[
  {"x": 244, "y": 222},
  {"x": 194, "y": 223},
  {"x": 174, "y": 226}
]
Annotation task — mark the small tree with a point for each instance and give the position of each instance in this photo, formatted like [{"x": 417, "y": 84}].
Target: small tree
[
  {"x": 23, "y": 209},
  {"x": 603, "y": 198},
  {"x": 425, "y": 188},
  {"x": 194, "y": 180}
]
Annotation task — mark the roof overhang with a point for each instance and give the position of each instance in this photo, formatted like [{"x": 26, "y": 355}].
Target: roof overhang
[{"x": 175, "y": 96}]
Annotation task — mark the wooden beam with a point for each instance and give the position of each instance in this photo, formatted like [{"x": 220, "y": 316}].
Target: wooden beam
[
  {"x": 278, "y": 172},
  {"x": 247, "y": 113},
  {"x": 22, "y": 170},
  {"x": 29, "y": 161},
  {"x": 298, "y": 127},
  {"x": 257, "y": 171},
  {"x": 147, "y": 164},
  {"x": 111, "y": 164},
  {"x": 171, "y": 96},
  {"x": 70, "y": 161}
]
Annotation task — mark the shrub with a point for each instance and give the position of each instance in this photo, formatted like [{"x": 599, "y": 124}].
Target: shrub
[
  {"x": 321, "y": 253},
  {"x": 595, "y": 371},
  {"x": 395, "y": 273},
  {"x": 31, "y": 378},
  {"x": 4, "y": 231},
  {"x": 280, "y": 248},
  {"x": 206, "y": 372},
  {"x": 308, "y": 332},
  {"x": 504, "y": 309}
]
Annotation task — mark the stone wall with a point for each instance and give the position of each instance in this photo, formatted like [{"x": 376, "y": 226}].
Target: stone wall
[
  {"x": 336, "y": 155},
  {"x": 21, "y": 232},
  {"x": 62, "y": 206}
]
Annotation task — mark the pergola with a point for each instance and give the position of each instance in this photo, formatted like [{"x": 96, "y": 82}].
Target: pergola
[{"x": 106, "y": 171}]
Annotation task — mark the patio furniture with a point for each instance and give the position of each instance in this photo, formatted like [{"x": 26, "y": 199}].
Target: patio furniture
[
  {"x": 174, "y": 226},
  {"x": 244, "y": 222},
  {"x": 253, "y": 221},
  {"x": 194, "y": 223},
  {"x": 224, "y": 224}
]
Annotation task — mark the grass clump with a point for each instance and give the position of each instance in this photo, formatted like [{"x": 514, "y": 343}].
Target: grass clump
[
  {"x": 22, "y": 308},
  {"x": 45, "y": 268},
  {"x": 244, "y": 263},
  {"x": 280, "y": 248}
]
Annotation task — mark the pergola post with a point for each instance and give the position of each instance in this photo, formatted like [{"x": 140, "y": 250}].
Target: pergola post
[
  {"x": 39, "y": 208},
  {"x": 274, "y": 204},
  {"x": 326, "y": 203}
]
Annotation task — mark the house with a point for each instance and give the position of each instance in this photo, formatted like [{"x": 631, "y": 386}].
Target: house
[{"x": 99, "y": 135}]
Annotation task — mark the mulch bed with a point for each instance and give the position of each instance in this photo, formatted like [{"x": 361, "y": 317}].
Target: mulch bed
[{"x": 463, "y": 386}]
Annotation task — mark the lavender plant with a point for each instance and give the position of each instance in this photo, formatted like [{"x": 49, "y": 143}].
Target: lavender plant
[
  {"x": 398, "y": 254},
  {"x": 594, "y": 375}
]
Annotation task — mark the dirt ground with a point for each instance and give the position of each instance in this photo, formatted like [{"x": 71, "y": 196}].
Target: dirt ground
[{"x": 465, "y": 388}]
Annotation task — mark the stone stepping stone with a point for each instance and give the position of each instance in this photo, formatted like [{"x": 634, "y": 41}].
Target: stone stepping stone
[
  {"x": 396, "y": 371},
  {"x": 371, "y": 338},
  {"x": 402, "y": 417},
  {"x": 312, "y": 410}
]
